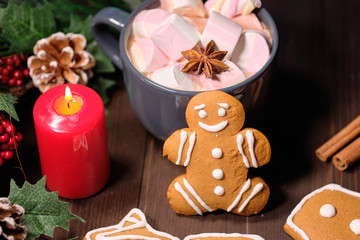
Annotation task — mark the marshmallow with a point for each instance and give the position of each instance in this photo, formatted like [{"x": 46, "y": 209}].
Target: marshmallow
[
  {"x": 175, "y": 35},
  {"x": 213, "y": 5},
  {"x": 198, "y": 23},
  {"x": 225, "y": 33},
  {"x": 245, "y": 7},
  {"x": 251, "y": 52},
  {"x": 188, "y": 8},
  {"x": 146, "y": 56},
  {"x": 232, "y": 8},
  {"x": 249, "y": 22},
  {"x": 223, "y": 79},
  {"x": 147, "y": 21},
  {"x": 172, "y": 76}
]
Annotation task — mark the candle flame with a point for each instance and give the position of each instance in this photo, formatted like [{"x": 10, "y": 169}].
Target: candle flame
[{"x": 68, "y": 95}]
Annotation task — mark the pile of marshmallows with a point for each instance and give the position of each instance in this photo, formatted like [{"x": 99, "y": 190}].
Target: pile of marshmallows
[{"x": 160, "y": 35}]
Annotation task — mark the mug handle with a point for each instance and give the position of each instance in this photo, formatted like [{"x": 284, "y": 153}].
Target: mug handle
[{"x": 115, "y": 18}]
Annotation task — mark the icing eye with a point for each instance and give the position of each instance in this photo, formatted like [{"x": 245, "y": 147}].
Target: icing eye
[
  {"x": 328, "y": 211},
  {"x": 202, "y": 114},
  {"x": 355, "y": 226},
  {"x": 222, "y": 112}
]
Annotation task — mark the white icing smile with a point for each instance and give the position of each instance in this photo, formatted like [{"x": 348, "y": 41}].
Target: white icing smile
[{"x": 213, "y": 128}]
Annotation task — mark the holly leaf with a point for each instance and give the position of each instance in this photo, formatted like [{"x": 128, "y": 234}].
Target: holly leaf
[
  {"x": 101, "y": 85},
  {"x": 7, "y": 101},
  {"x": 22, "y": 25},
  {"x": 43, "y": 210}
]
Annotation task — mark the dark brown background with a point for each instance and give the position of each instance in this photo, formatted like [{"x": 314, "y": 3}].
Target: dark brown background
[{"x": 313, "y": 94}]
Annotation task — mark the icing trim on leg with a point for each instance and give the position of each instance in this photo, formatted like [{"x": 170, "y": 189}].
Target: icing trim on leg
[
  {"x": 255, "y": 191},
  {"x": 187, "y": 198},
  {"x": 198, "y": 198},
  {"x": 238, "y": 198}
]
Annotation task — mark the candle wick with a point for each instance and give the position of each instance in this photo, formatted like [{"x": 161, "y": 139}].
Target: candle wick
[{"x": 68, "y": 105}]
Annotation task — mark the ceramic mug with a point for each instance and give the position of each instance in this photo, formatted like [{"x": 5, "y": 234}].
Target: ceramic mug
[{"x": 161, "y": 109}]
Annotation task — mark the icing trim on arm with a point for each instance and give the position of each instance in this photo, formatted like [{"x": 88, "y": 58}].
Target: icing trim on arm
[
  {"x": 191, "y": 146},
  {"x": 251, "y": 142},
  {"x": 183, "y": 137},
  {"x": 240, "y": 141}
]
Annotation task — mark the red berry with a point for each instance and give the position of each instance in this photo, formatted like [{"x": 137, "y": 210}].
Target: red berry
[
  {"x": 11, "y": 142},
  {"x": 17, "y": 74},
  {"x": 4, "y": 138},
  {"x": 7, "y": 154},
  {"x": 10, "y": 129},
  {"x": 18, "y": 137},
  {"x": 10, "y": 68},
  {"x": 17, "y": 62},
  {"x": 12, "y": 82},
  {"x": 5, "y": 72},
  {"x": 10, "y": 61},
  {"x": 16, "y": 57},
  {"x": 4, "y": 81},
  {"x": 4, "y": 146},
  {"x": 5, "y": 122},
  {"x": 2, "y": 61},
  {"x": 2, "y": 116},
  {"x": 19, "y": 82},
  {"x": 26, "y": 72},
  {"x": 13, "y": 146},
  {"x": 1, "y": 130},
  {"x": 22, "y": 57}
]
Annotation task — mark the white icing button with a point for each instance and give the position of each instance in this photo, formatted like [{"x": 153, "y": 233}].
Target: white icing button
[
  {"x": 327, "y": 210},
  {"x": 218, "y": 174},
  {"x": 217, "y": 153},
  {"x": 355, "y": 226},
  {"x": 221, "y": 112},
  {"x": 202, "y": 114},
  {"x": 219, "y": 191}
]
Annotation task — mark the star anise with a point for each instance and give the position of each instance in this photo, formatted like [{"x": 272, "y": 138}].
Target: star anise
[{"x": 206, "y": 60}]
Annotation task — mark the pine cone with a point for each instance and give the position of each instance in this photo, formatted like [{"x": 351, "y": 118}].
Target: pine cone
[
  {"x": 10, "y": 221},
  {"x": 59, "y": 59}
]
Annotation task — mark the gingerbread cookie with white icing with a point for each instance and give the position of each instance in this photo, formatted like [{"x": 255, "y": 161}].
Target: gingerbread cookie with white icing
[
  {"x": 217, "y": 154},
  {"x": 223, "y": 236},
  {"x": 330, "y": 212},
  {"x": 133, "y": 226}
]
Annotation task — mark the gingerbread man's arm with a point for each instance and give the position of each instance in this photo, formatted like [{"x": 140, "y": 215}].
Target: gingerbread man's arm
[
  {"x": 253, "y": 147},
  {"x": 179, "y": 146}
]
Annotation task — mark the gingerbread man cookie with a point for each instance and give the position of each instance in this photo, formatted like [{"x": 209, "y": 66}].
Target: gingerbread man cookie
[
  {"x": 133, "y": 226},
  {"x": 217, "y": 154},
  {"x": 330, "y": 212}
]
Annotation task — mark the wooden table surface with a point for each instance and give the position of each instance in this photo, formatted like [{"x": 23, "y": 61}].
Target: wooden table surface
[{"x": 314, "y": 92}]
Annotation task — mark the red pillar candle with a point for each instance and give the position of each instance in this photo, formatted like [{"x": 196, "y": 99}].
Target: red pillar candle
[{"x": 72, "y": 142}]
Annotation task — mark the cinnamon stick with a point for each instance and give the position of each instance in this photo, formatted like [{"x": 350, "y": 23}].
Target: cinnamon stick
[
  {"x": 338, "y": 141},
  {"x": 348, "y": 156}
]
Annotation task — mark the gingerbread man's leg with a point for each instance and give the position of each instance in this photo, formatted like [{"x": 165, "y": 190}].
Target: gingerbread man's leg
[
  {"x": 184, "y": 199},
  {"x": 252, "y": 198}
]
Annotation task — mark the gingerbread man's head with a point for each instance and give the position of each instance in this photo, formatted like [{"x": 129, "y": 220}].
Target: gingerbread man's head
[{"x": 215, "y": 113}]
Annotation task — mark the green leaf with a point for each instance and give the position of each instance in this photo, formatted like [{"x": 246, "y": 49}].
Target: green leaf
[
  {"x": 101, "y": 85},
  {"x": 79, "y": 25},
  {"x": 103, "y": 63},
  {"x": 7, "y": 102},
  {"x": 43, "y": 210},
  {"x": 23, "y": 25}
]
